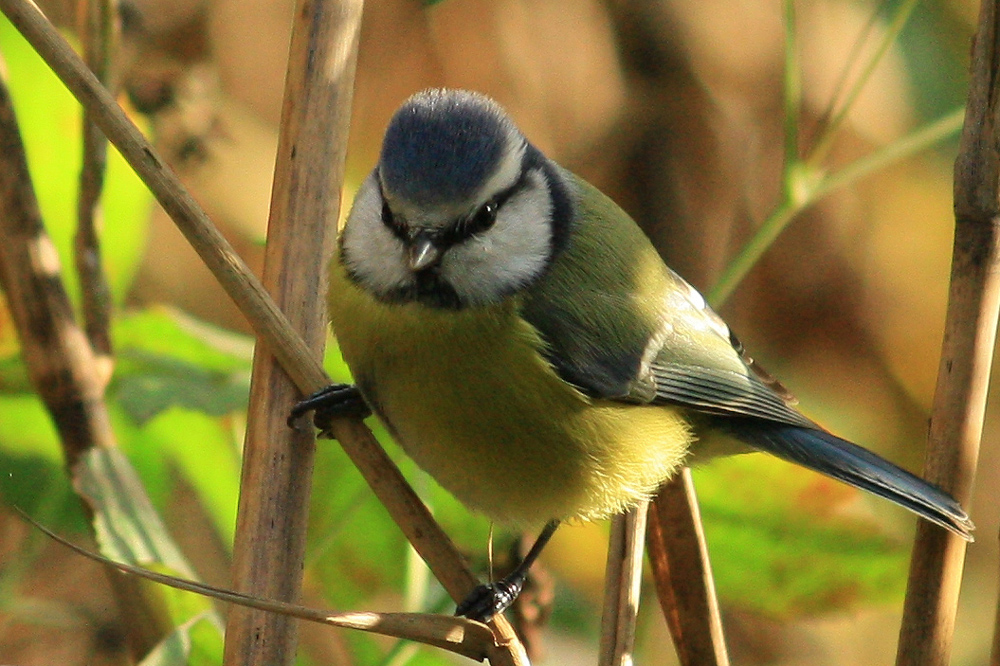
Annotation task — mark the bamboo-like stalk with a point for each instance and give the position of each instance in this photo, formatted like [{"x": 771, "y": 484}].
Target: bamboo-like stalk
[
  {"x": 99, "y": 23},
  {"x": 269, "y": 548},
  {"x": 623, "y": 578},
  {"x": 683, "y": 575},
  {"x": 61, "y": 364},
  {"x": 267, "y": 320},
  {"x": 970, "y": 333}
]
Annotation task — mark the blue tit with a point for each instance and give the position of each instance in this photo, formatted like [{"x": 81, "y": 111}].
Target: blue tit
[{"x": 522, "y": 340}]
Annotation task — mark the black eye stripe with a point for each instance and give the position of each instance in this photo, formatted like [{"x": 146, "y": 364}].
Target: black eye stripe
[
  {"x": 394, "y": 223},
  {"x": 483, "y": 218},
  {"x": 462, "y": 229}
]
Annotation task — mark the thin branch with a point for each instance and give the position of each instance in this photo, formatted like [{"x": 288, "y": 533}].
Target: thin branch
[
  {"x": 966, "y": 357},
  {"x": 268, "y": 322},
  {"x": 751, "y": 253},
  {"x": 804, "y": 180},
  {"x": 456, "y": 634},
  {"x": 850, "y": 63},
  {"x": 810, "y": 185},
  {"x": 99, "y": 33},
  {"x": 895, "y": 27},
  {"x": 915, "y": 142},
  {"x": 622, "y": 580}
]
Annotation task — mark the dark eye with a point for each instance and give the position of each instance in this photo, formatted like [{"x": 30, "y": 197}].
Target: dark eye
[{"x": 484, "y": 218}]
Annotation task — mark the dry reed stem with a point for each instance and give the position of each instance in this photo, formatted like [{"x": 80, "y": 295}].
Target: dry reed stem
[
  {"x": 455, "y": 634},
  {"x": 623, "y": 578},
  {"x": 683, "y": 575},
  {"x": 966, "y": 356},
  {"x": 269, "y": 548},
  {"x": 99, "y": 21}
]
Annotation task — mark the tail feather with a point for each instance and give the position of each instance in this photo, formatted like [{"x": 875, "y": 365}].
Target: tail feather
[{"x": 837, "y": 458}]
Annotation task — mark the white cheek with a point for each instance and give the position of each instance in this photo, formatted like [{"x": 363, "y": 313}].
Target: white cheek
[
  {"x": 371, "y": 252},
  {"x": 510, "y": 255}
]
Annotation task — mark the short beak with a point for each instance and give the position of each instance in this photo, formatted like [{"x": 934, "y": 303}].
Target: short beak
[{"x": 424, "y": 253}]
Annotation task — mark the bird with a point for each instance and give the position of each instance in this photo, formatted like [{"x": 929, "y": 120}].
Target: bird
[{"x": 523, "y": 341}]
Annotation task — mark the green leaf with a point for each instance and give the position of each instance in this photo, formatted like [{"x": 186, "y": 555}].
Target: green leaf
[
  {"x": 197, "y": 642},
  {"x": 31, "y": 462},
  {"x": 127, "y": 527},
  {"x": 50, "y": 121},
  {"x": 347, "y": 525},
  {"x": 334, "y": 363},
  {"x": 168, "y": 359},
  {"x": 36, "y": 484},
  {"x": 129, "y": 530},
  {"x": 207, "y": 456},
  {"x": 174, "y": 376},
  {"x": 27, "y": 429},
  {"x": 165, "y": 384},
  {"x": 168, "y": 332},
  {"x": 784, "y": 544},
  {"x": 14, "y": 375}
]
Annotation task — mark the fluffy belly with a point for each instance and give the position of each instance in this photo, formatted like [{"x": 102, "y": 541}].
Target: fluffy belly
[
  {"x": 526, "y": 466},
  {"x": 471, "y": 400}
]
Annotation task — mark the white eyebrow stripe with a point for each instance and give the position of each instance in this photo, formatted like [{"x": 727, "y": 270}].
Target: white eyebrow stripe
[{"x": 508, "y": 171}]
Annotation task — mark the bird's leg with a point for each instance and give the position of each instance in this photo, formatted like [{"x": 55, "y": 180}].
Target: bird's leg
[
  {"x": 334, "y": 401},
  {"x": 488, "y": 600}
]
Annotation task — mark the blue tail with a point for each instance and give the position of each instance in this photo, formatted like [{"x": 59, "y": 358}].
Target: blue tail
[{"x": 837, "y": 458}]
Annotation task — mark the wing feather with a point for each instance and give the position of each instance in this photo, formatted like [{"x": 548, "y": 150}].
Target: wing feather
[
  {"x": 722, "y": 392},
  {"x": 637, "y": 332}
]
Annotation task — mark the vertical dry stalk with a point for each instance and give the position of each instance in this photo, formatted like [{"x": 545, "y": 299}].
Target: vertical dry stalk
[
  {"x": 278, "y": 461},
  {"x": 683, "y": 575},
  {"x": 60, "y": 362},
  {"x": 99, "y": 33},
  {"x": 622, "y": 580},
  {"x": 966, "y": 356}
]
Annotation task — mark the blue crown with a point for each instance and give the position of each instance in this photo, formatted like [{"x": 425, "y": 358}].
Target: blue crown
[{"x": 442, "y": 145}]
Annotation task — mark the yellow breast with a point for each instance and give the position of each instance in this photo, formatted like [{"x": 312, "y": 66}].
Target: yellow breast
[{"x": 471, "y": 400}]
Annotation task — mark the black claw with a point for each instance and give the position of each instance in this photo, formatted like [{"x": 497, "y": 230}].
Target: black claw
[
  {"x": 334, "y": 401},
  {"x": 488, "y": 600}
]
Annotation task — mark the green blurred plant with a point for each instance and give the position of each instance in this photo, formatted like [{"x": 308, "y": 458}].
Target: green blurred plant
[
  {"x": 766, "y": 548},
  {"x": 805, "y": 179}
]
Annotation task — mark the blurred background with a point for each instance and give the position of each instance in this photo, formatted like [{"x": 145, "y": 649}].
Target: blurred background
[{"x": 674, "y": 108}]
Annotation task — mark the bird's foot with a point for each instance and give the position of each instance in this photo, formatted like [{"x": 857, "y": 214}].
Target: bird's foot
[
  {"x": 488, "y": 600},
  {"x": 333, "y": 402}
]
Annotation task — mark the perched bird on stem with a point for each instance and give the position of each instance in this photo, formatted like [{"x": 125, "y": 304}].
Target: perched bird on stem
[{"x": 523, "y": 341}]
